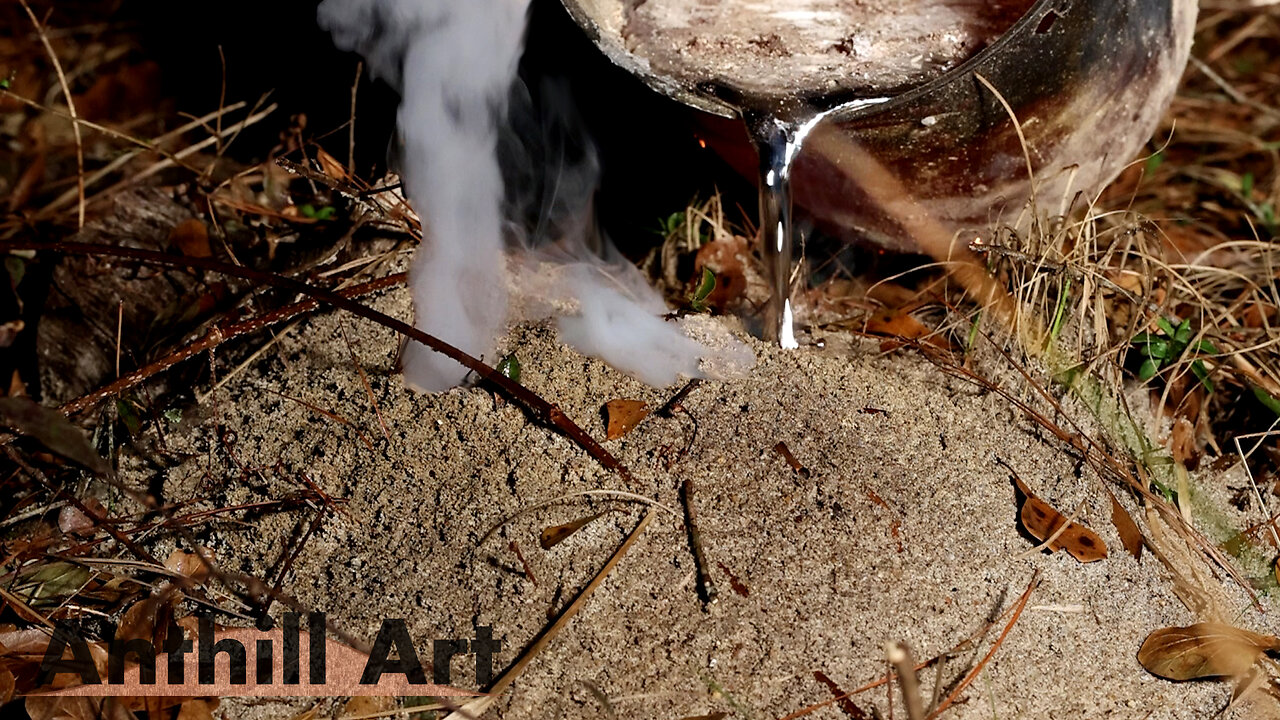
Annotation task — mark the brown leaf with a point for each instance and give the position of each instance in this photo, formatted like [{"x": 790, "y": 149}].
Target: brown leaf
[
  {"x": 623, "y": 416},
  {"x": 198, "y": 709},
  {"x": 8, "y": 686},
  {"x": 330, "y": 165},
  {"x": 1042, "y": 521},
  {"x": 899, "y": 324},
  {"x": 366, "y": 706},
  {"x": 1130, "y": 535},
  {"x": 52, "y": 429},
  {"x": 77, "y": 708},
  {"x": 1182, "y": 443},
  {"x": 1203, "y": 650},
  {"x": 9, "y": 332},
  {"x": 188, "y": 565},
  {"x": 72, "y": 521},
  {"x": 557, "y": 534},
  {"x": 191, "y": 238},
  {"x": 149, "y": 619}
]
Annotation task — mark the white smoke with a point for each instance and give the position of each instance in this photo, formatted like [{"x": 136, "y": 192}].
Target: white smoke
[{"x": 455, "y": 65}]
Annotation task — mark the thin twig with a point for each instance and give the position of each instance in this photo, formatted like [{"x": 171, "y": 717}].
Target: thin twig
[
  {"x": 539, "y": 408},
  {"x": 478, "y": 706},
  {"x": 973, "y": 674},
  {"x": 900, "y": 657},
  {"x": 71, "y": 106},
  {"x": 706, "y": 586},
  {"x": 215, "y": 337}
]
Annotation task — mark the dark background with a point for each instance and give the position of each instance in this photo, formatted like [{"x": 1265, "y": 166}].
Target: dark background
[{"x": 651, "y": 163}]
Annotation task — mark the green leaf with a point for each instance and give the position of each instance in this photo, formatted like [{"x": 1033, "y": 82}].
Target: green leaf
[
  {"x": 52, "y": 429},
  {"x": 510, "y": 367},
  {"x": 129, "y": 417},
  {"x": 1166, "y": 327},
  {"x": 1206, "y": 347},
  {"x": 17, "y": 269},
  {"x": 705, "y": 287},
  {"x": 1059, "y": 313},
  {"x": 671, "y": 224},
  {"x": 1144, "y": 338},
  {"x": 311, "y": 211},
  {"x": 48, "y": 584},
  {"x": 1198, "y": 369},
  {"x": 1183, "y": 333},
  {"x": 1148, "y": 370},
  {"x": 1153, "y": 163},
  {"x": 1158, "y": 350},
  {"x": 1268, "y": 400},
  {"x": 1246, "y": 184}
]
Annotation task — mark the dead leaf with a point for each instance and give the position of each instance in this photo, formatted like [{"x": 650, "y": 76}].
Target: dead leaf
[
  {"x": 188, "y": 565},
  {"x": 72, "y": 521},
  {"x": 899, "y": 324},
  {"x": 1130, "y": 535},
  {"x": 623, "y": 416},
  {"x": 330, "y": 166},
  {"x": 52, "y": 429},
  {"x": 1042, "y": 521},
  {"x": 557, "y": 534},
  {"x": 1203, "y": 650},
  {"x": 150, "y": 619},
  {"x": 197, "y": 709},
  {"x": 9, "y": 332},
  {"x": 367, "y": 706},
  {"x": 41, "y": 707},
  {"x": 1182, "y": 443},
  {"x": 191, "y": 238}
]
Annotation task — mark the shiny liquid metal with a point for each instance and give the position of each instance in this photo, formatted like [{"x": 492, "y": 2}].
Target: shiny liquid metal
[{"x": 854, "y": 105}]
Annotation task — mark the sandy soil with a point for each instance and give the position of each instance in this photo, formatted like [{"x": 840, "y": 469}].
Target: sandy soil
[{"x": 902, "y": 529}]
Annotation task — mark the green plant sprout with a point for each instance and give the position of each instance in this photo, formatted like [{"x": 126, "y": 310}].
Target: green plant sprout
[
  {"x": 698, "y": 298},
  {"x": 311, "y": 211},
  {"x": 1163, "y": 349},
  {"x": 510, "y": 367}
]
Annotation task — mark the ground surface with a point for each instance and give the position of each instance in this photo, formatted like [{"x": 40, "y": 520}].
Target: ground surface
[{"x": 903, "y": 529}]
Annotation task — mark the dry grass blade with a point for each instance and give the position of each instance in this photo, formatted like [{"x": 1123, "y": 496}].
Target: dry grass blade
[
  {"x": 478, "y": 706},
  {"x": 556, "y": 534},
  {"x": 1203, "y": 650},
  {"x": 973, "y": 675},
  {"x": 71, "y": 107}
]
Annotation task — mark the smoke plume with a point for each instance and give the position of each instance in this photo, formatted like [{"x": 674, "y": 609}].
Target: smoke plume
[{"x": 484, "y": 170}]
